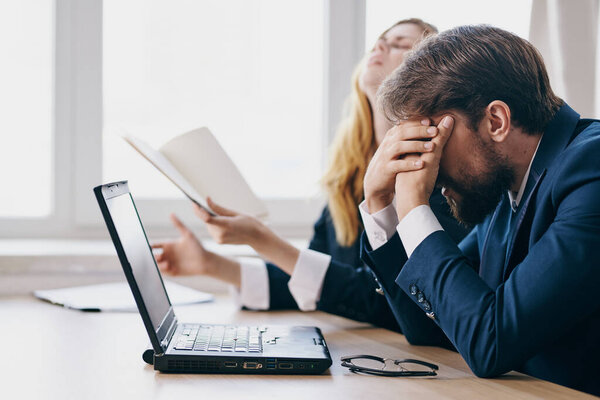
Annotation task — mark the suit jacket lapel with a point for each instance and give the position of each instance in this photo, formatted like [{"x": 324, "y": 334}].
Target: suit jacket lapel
[
  {"x": 534, "y": 179},
  {"x": 490, "y": 262},
  {"x": 558, "y": 134}
]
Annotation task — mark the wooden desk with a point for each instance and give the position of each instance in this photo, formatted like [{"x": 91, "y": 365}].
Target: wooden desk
[{"x": 54, "y": 353}]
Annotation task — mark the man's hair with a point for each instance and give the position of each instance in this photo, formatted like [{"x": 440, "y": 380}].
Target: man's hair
[{"x": 466, "y": 68}]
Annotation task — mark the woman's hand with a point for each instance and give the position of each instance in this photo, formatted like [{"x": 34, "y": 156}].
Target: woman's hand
[
  {"x": 230, "y": 227},
  {"x": 184, "y": 256}
]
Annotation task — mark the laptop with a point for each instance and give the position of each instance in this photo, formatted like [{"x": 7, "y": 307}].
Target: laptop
[{"x": 198, "y": 347}]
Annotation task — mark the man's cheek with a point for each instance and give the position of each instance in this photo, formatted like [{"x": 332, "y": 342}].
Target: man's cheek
[
  {"x": 450, "y": 155},
  {"x": 445, "y": 163}
]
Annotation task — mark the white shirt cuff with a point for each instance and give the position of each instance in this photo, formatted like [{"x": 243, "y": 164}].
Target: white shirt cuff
[
  {"x": 381, "y": 226},
  {"x": 254, "y": 286},
  {"x": 419, "y": 223},
  {"x": 306, "y": 281}
]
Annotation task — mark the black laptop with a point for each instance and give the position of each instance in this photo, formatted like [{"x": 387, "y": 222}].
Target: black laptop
[{"x": 197, "y": 347}]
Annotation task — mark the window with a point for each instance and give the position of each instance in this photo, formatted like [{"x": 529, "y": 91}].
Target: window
[
  {"x": 26, "y": 102},
  {"x": 268, "y": 77},
  {"x": 253, "y": 76},
  {"x": 513, "y": 15},
  {"x": 79, "y": 73}
]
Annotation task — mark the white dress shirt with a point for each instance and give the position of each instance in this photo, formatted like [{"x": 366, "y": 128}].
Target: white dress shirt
[{"x": 305, "y": 284}]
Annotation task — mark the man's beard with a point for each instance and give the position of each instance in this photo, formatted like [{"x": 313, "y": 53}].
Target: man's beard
[{"x": 479, "y": 194}]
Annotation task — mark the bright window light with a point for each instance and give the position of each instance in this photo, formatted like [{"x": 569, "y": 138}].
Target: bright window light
[
  {"x": 26, "y": 40},
  {"x": 253, "y": 76},
  {"x": 512, "y": 15}
]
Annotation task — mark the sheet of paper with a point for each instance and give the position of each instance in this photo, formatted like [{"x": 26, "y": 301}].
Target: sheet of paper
[
  {"x": 115, "y": 296},
  {"x": 199, "y": 157},
  {"x": 157, "y": 159}
]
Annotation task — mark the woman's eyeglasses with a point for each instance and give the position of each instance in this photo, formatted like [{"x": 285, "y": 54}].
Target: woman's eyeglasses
[{"x": 388, "y": 367}]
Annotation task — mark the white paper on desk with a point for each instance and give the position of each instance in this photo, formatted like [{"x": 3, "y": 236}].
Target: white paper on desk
[{"x": 115, "y": 296}]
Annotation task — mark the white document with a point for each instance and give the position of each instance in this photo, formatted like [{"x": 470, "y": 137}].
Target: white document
[
  {"x": 197, "y": 164},
  {"x": 115, "y": 296}
]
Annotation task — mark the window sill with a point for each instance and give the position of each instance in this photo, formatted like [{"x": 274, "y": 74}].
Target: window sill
[{"x": 30, "y": 264}]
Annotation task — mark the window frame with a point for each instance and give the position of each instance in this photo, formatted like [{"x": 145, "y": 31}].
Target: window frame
[{"x": 77, "y": 94}]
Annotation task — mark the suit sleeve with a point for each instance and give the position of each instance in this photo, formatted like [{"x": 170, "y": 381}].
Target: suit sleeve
[
  {"x": 279, "y": 293},
  {"x": 548, "y": 293},
  {"x": 350, "y": 292},
  {"x": 280, "y": 297},
  {"x": 386, "y": 262}
]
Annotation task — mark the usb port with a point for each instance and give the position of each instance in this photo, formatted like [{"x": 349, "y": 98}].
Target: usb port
[
  {"x": 271, "y": 366},
  {"x": 271, "y": 360},
  {"x": 230, "y": 364},
  {"x": 252, "y": 365},
  {"x": 285, "y": 365}
]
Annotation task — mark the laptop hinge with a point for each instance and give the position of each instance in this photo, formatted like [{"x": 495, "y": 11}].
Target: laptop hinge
[{"x": 169, "y": 335}]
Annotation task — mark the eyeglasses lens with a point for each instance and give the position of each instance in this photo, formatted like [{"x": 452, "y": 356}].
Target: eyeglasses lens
[
  {"x": 389, "y": 365},
  {"x": 368, "y": 363}
]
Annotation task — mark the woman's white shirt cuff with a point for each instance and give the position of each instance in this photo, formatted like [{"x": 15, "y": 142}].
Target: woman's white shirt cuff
[
  {"x": 254, "y": 284},
  {"x": 306, "y": 281}
]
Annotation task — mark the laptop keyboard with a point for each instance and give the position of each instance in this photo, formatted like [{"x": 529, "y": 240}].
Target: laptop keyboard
[{"x": 220, "y": 338}]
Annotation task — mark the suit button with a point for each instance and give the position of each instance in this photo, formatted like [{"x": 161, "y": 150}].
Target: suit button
[
  {"x": 420, "y": 297},
  {"x": 413, "y": 289},
  {"x": 426, "y": 306}
]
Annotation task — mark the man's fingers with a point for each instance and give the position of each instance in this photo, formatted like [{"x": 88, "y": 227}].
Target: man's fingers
[
  {"x": 399, "y": 166},
  {"x": 445, "y": 129},
  {"x": 219, "y": 209},
  {"x": 179, "y": 225},
  {"x": 411, "y": 130},
  {"x": 402, "y": 148}
]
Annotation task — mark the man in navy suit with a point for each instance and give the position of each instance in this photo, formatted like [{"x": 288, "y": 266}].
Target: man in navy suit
[
  {"x": 475, "y": 111},
  {"x": 348, "y": 288}
]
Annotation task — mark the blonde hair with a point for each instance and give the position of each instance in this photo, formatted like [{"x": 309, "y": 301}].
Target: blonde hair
[{"x": 350, "y": 154}]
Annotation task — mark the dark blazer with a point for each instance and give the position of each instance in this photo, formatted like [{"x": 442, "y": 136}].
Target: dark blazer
[
  {"x": 349, "y": 286},
  {"x": 521, "y": 292}
]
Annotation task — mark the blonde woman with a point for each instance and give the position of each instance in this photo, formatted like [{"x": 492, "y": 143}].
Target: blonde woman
[{"x": 329, "y": 275}]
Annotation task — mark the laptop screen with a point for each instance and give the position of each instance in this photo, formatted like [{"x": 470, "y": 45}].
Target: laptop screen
[{"x": 139, "y": 255}]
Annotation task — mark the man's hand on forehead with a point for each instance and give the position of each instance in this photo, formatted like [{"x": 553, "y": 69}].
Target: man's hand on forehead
[
  {"x": 413, "y": 188},
  {"x": 399, "y": 152}
]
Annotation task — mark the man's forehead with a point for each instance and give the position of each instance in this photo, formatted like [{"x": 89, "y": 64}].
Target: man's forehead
[{"x": 437, "y": 117}]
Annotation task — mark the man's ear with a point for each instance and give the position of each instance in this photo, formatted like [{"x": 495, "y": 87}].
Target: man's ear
[{"x": 497, "y": 120}]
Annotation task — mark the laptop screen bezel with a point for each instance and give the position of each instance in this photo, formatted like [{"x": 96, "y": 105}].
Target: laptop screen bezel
[{"x": 158, "y": 337}]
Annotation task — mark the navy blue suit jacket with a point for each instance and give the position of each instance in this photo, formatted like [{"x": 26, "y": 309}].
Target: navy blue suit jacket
[
  {"x": 521, "y": 291},
  {"x": 349, "y": 286}
]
